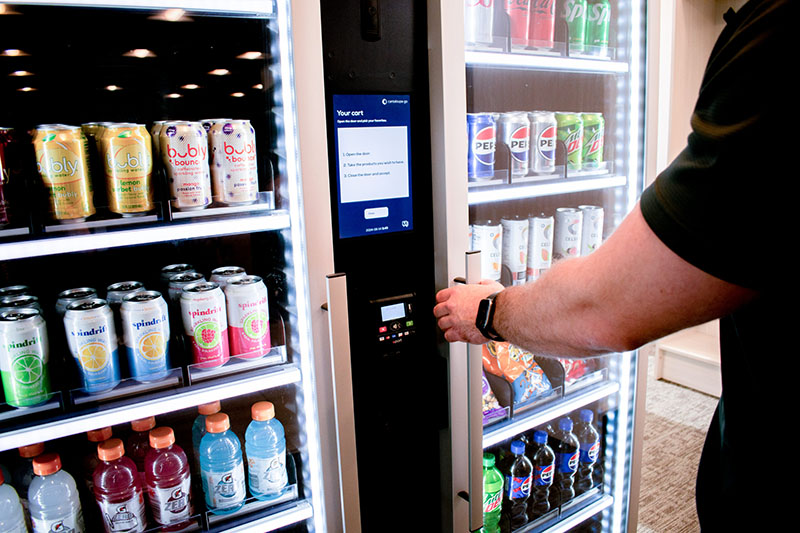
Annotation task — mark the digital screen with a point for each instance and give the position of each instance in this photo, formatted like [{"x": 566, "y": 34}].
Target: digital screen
[
  {"x": 393, "y": 312},
  {"x": 373, "y": 163}
]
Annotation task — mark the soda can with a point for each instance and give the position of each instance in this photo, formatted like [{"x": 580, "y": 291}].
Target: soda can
[
  {"x": 10, "y": 172},
  {"x": 593, "y": 139},
  {"x": 24, "y": 357},
  {"x": 574, "y": 14},
  {"x": 127, "y": 155},
  {"x": 92, "y": 340},
  {"x": 205, "y": 323},
  {"x": 170, "y": 270},
  {"x": 567, "y": 233},
  {"x": 145, "y": 321},
  {"x": 570, "y": 132},
  {"x": 518, "y": 16},
  {"x": 73, "y": 295},
  {"x": 481, "y": 132},
  {"x": 178, "y": 281},
  {"x": 544, "y": 130},
  {"x": 540, "y": 246},
  {"x": 598, "y": 21},
  {"x": 19, "y": 301},
  {"x": 478, "y": 21},
  {"x": 115, "y": 293},
  {"x": 234, "y": 166},
  {"x": 513, "y": 130},
  {"x": 515, "y": 249},
  {"x": 592, "y": 234},
  {"x": 248, "y": 316},
  {"x": 221, "y": 275},
  {"x": 14, "y": 290},
  {"x": 207, "y": 123},
  {"x": 184, "y": 152},
  {"x": 155, "y": 135},
  {"x": 542, "y": 24},
  {"x": 62, "y": 160},
  {"x": 487, "y": 238}
]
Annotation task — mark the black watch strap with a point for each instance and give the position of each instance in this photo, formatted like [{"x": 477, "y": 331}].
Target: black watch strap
[{"x": 484, "y": 321}]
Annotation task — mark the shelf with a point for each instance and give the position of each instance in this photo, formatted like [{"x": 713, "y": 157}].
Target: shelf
[
  {"x": 249, "y": 7},
  {"x": 522, "y": 60},
  {"x": 479, "y": 194},
  {"x": 287, "y": 515},
  {"x": 568, "y": 522}
]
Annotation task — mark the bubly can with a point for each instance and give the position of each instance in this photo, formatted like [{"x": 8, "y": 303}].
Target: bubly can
[
  {"x": 540, "y": 246},
  {"x": 515, "y": 249},
  {"x": 234, "y": 166},
  {"x": 592, "y": 234},
  {"x": 73, "y": 295},
  {"x": 481, "y": 133},
  {"x": 593, "y": 139},
  {"x": 513, "y": 130},
  {"x": 570, "y": 132},
  {"x": 568, "y": 233},
  {"x": 184, "y": 152},
  {"x": 544, "y": 133},
  {"x": 221, "y": 275},
  {"x": 478, "y": 20},
  {"x": 248, "y": 316},
  {"x": 145, "y": 321},
  {"x": 24, "y": 357},
  {"x": 92, "y": 340},
  {"x": 487, "y": 238},
  {"x": 127, "y": 153},
  {"x": 19, "y": 301},
  {"x": 205, "y": 323}
]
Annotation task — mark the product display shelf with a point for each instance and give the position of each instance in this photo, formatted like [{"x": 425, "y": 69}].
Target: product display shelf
[
  {"x": 480, "y": 194},
  {"x": 478, "y": 58}
]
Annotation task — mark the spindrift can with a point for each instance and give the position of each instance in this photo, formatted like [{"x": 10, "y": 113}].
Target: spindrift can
[
  {"x": 248, "y": 316},
  {"x": 568, "y": 232},
  {"x": 205, "y": 323},
  {"x": 513, "y": 130},
  {"x": 24, "y": 357},
  {"x": 487, "y": 238},
  {"x": 481, "y": 133},
  {"x": 540, "y": 246},
  {"x": 145, "y": 321},
  {"x": 92, "y": 340},
  {"x": 515, "y": 249}
]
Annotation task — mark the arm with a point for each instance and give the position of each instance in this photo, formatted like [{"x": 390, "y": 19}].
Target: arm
[{"x": 631, "y": 290}]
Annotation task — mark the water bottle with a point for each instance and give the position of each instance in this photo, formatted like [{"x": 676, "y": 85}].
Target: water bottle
[
  {"x": 53, "y": 497},
  {"x": 118, "y": 489},
  {"x": 169, "y": 482},
  {"x": 492, "y": 495},
  {"x": 265, "y": 446},
  {"x": 23, "y": 475},
  {"x": 221, "y": 466},
  {"x": 12, "y": 518},
  {"x": 518, "y": 475},
  {"x": 566, "y": 450},
  {"x": 589, "y": 440},
  {"x": 199, "y": 429},
  {"x": 543, "y": 459},
  {"x": 138, "y": 444}
]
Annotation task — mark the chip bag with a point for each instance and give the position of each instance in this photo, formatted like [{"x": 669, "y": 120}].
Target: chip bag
[
  {"x": 491, "y": 407},
  {"x": 518, "y": 367}
]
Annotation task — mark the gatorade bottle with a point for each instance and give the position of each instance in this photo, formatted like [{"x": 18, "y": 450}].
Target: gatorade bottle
[
  {"x": 265, "y": 446},
  {"x": 221, "y": 466},
  {"x": 118, "y": 490},
  {"x": 543, "y": 460},
  {"x": 169, "y": 482},
  {"x": 199, "y": 429},
  {"x": 492, "y": 495},
  {"x": 138, "y": 444},
  {"x": 518, "y": 478},
  {"x": 12, "y": 518},
  {"x": 90, "y": 460},
  {"x": 589, "y": 441},
  {"x": 23, "y": 475},
  {"x": 566, "y": 450},
  {"x": 53, "y": 497}
]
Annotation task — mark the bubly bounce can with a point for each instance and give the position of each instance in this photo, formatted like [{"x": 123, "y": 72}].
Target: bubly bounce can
[
  {"x": 73, "y": 295},
  {"x": 513, "y": 129},
  {"x": 24, "y": 357},
  {"x": 92, "y": 340},
  {"x": 593, "y": 138},
  {"x": 544, "y": 129},
  {"x": 568, "y": 232},
  {"x": 127, "y": 153},
  {"x": 221, "y": 275},
  {"x": 234, "y": 166},
  {"x": 487, "y": 238},
  {"x": 481, "y": 133},
  {"x": 205, "y": 323},
  {"x": 570, "y": 132},
  {"x": 592, "y": 234},
  {"x": 540, "y": 246},
  {"x": 145, "y": 321},
  {"x": 184, "y": 151},
  {"x": 248, "y": 316},
  {"x": 478, "y": 20},
  {"x": 515, "y": 248}
]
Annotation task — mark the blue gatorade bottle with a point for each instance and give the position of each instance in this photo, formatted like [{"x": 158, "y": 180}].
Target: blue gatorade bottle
[
  {"x": 221, "y": 466},
  {"x": 265, "y": 445}
]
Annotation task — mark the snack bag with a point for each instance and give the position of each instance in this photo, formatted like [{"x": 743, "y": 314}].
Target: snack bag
[
  {"x": 519, "y": 368},
  {"x": 491, "y": 407},
  {"x": 574, "y": 369}
]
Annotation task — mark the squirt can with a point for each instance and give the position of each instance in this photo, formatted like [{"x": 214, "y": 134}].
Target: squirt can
[
  {"x": 205, "y": 323},
  {"x": 92, "y": 340},
  {"x": 184, "y": 152},
  {"x": 127, "y": 153},
  {"x": 513, "y": 130},
  {"x": 515, "y": 249},
  {"x": 570, "y": 132},
  {"x": 568, "y": 232},
  {"x": 544, "y": 132},
  {"x": 145, "y": 321},
  {"x": 234, "y": 165},
  {"x": 540, "y": 246},
  {"x": 248, "y": 316},
  {"x": 24, "y": 357},
  {"x": 482, "y": 134},
  {"x": 487, "y": 238}
]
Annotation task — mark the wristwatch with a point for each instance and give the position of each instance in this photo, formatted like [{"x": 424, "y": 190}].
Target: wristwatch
[{"x": 483, "y": 321}]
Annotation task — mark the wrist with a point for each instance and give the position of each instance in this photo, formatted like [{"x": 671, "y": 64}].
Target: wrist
[{"x": 485, "y": 319}]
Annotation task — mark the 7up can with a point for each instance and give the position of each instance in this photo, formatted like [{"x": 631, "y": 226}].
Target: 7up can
[
  {"x": 248, "y": 316},
  {"x": 205, "y": 323},
  {"x": 92, "y": 340},
  {"x": 145, "y": 321},
  {"x": 24, "y": 356},
  {"x": 570, "y": 132},
  {"x": 593, "y": 137}
]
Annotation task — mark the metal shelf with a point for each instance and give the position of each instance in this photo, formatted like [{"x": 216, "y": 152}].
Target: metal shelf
[
  {"x": 568, "y": 522},
  {"x": 521, "y": 60},
  {"x": 501, "y": 193},
  {"x": 292, "y": 514},
  {"x": 250, "y": 7}
]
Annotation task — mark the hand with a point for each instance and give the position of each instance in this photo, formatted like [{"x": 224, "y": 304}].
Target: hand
[{"x": 457, "y": 308}]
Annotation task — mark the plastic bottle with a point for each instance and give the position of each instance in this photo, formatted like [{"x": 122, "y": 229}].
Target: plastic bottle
[
  {"x": 23, "y": 475},
  {"x": 543, "y": 460},
  {"x": 492, "y": 495},
  {"x": 169, "y": 481},
  {"x": 566, "y": 450},
  {"x": 221, "y": 466},
  {"x": 90, "y": 460},
  {"x": 117, "y": 489},
  {"x": 265, "y": 445},
  {"x": 589, "y": 441},
  {"x": 518, "y": 475},
  {"x": 53, "y": 497},
  {"x": 12, "y": 517},
  {"x": 199, "y": 429},
  {"x": 138, "y": 444}
]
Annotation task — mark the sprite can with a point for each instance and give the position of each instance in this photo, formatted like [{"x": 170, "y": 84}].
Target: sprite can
[
  {"x": 570, "y": 132},
  {"x": 24, "y": 357},
  {"x": 593, "y": 137},
  {"x": 573, "y": 12},
  {"x": 597, "y": 23}
]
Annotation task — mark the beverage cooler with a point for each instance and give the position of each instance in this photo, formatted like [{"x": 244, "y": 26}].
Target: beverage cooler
[{"x": 165, "y": 354}]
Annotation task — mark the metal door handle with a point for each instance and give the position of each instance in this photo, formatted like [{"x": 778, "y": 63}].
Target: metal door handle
[{"x": 475, "y": 411}]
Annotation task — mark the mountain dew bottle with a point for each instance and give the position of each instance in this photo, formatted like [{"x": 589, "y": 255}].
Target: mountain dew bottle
[
  {"x": 492, "y": 495},
  {"x": 24, "y": 357}
]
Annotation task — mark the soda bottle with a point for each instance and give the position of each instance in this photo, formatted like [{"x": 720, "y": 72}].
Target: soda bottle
[
  {"x": 265, "y": 446},
  {"x": 118, "y": 489},
  {"x": 90, "y": 460},
  {"x": 53, "y": 497},
  {"x": 589, "y": 440},
  {"x": 199, "y": 429},
  {"x": 12, "y": 518},
  {"x": 518, "y": 477},
  {"x": 221, "y": 466},
  {"x": 169, "y": 482},
  {"x": 566, "y": 450},
  {"x": 492, "y": 495},
  {"x": 138, "y": 444},
  {"x": 543, "y": 460},
  {"x": 23, "y": 475}
]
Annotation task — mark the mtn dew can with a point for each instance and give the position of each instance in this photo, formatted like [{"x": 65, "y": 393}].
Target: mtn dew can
[
  {"x": 145, "y": 322},
  {"x": 24, "y": 357},
  {"x": 570, "y": 132},
  {"x": 597, "y": 23},
  {"x": 540, "y": 246},
  {"x": 593, "y": 139},
  {"x": 92, "y": 340},
  {"x": 205, "y": 323},
  {"x": 248, "y": 316},
  {"x": 487, "y": 238}
]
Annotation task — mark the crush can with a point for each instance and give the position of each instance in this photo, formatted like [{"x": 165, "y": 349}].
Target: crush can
[
  {"x": 92, "y": 340},
  {"x": 127, "y": 153},
  {"x": 145, "y": 321},
  {"x": 570, "y": 132},
  {"x": 248, "y": 316},
  {"x": 513, "y": 130},
  {"x": 518, "y": 15},
  {"x": 544, "y": 132},
  {"x": 222, "y": 274},
  {"x": 542, "y": 24},
  {"x": 481, "y": 133},
  {"x": 592, "y": 234},
  {"x": 573, "y": 12},
  {"x": 568, "y": 233},
  {"x": 24, "y": 357},
  {"x": 184, "y": 152},
  {"x": 515, "y": 250},
  {"x": 487, "y": 238},
  {"x": 205, "y": 323},
  {"x": 234, "y": 166},
  {"x": 540, "y": 246},
  {"x": 593, "y": 139},
  {"x": 478, "y": 21},
  {"x": 598, "y": 21}
]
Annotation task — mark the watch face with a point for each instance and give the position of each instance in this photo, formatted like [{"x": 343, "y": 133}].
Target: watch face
[{"x": 483, "y": 317}]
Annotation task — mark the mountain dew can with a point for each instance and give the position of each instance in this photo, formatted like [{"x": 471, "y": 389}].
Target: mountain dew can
[
  {"x": 145, "y": 322},
  {"x": 24, "y": 357},
  {"x": 205, "y": 323},
  {"x": 570, "y": 132},
  {"x": 593, "y": 138},
  {"x": 248, "y": 316}
]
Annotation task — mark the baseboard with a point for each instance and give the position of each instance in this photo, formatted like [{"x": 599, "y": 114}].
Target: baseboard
[{"x": 690, "y": 358}]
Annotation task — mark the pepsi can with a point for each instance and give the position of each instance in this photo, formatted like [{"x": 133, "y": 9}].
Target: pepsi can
[
  {"x": 481, "y": 132},
  {"x": 487, "y": 238},
  {"x": 543, "y": 134},
  {"x": 513, "y": 130}
]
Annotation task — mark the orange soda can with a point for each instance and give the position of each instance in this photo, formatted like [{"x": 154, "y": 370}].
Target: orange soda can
[{"x": 127, "y": 153}]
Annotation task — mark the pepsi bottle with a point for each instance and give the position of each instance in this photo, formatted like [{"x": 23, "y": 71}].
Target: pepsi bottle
[
  {"x": 566, "y": 448},
  {"x": 543, "y": 460},
  {"x": 517, "y": 479},
  {"x": 589, "y": 442}
]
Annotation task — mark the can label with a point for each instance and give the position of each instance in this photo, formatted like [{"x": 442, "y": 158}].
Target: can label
[
  {"x": 147, "y": 334},
  {"x": 267, "y": 474},
  {"x": 540, "y": 246},
  {"x": 478, "y": 19},
  {"x": 24, "y": 362},
  {"x": 225, "y": 489},
  {"x": 184, "y": 149},
  {"x": 124, "y": 517},
  {"x": 515, "y": 249},
  {"x": 541, "y": 30},
  {"x": 482, "y": 138},
  {"x": 518, "y": 14},
  {"x": 593, "y": 139},
  {"x": 128, "y": 161},
  {"x": 570, "y": 132},
  {"x": 72, "y": 523},
  {"x": 248, "y": 319},
  {"x": 488, "y": 239},
  {"x": 592, "y": 232},
  {"x": 597, "y": 24},
  {"x": 515, "y": 134},
  {"x": 206, "y": 326},
  {"x": 63, "y": 163},
  {"x": 568, "y": 232},
  {"x": 574, "y": 14},
  {"x": 92, "y": 340},
  {"x": 171, "y": 504},
  {"x": 234, "y": 166}
]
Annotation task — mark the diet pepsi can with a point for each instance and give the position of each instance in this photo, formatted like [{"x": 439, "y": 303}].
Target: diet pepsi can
[
  {"x": 481, "y": 133},
  {"x": 592, "y": 234},
  {"x": 544, "y": 132},
  {"x": 478, "y": 20},
  {"x": 568, "y": 233},
  {"x": 540, "y": 246},
  {"x": 515, "y": 249},
  {"x": 513, "y": 130},
  {"x": 487, "y": 238}
]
